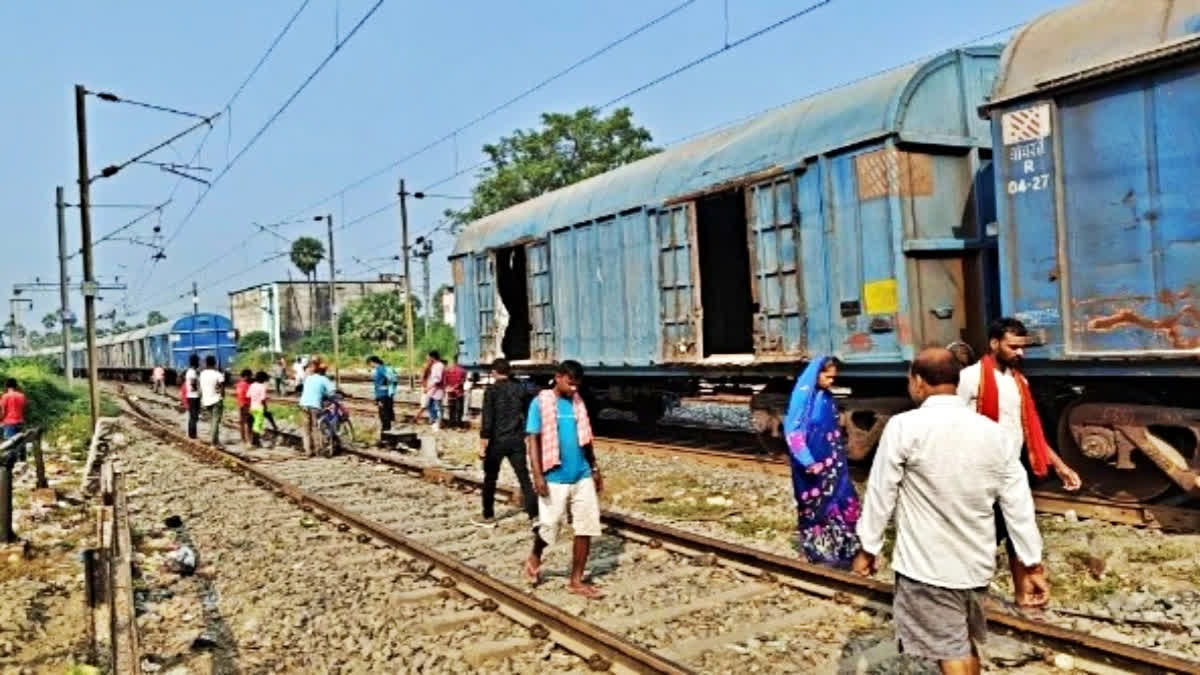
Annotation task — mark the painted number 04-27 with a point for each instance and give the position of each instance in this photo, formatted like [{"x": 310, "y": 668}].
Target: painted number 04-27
[{"x": 1039, "y": 182}]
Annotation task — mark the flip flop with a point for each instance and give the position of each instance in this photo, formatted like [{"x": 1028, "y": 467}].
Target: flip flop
[
  {"x": 532, "y": 574},
  {"x": 586, "y": 591}
]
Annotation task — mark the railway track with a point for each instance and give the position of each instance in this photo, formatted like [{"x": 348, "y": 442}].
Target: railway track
[
  {"x": 742, "y": 451},
  {"x": 676, "y": 601}
]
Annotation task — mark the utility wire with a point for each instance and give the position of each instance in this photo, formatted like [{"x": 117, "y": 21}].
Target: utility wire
[
  {"x": 485, "y": 115},
  {"x": 271, "y": 120},
  {"x": 113, "y": 98}
]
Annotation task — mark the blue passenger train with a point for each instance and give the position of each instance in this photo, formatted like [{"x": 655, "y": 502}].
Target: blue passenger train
[
  {"x": 133, "y": 355},
  {"x": 1052, "y": 179}
]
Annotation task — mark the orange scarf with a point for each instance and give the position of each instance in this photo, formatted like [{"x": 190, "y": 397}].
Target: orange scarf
[{"x": 988, "y": 405}]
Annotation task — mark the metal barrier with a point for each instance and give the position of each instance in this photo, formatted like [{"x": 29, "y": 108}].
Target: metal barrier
[{"x": 12, "y": 451}]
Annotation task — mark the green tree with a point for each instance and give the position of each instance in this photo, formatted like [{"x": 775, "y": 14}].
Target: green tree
[
  {"x": 254, "y": 341},
  {"x": 155, "y": 317},
  {"x": 50, "y": 321},
  {"x": 307, "y": 253},
  {"x": 377, "y": 319},
  {"x": 566, "y": 149}
]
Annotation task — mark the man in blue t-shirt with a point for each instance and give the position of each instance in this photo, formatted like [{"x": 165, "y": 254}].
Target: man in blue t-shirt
[
  {"x": 381, "y": 378},
  {"x": 314, "y": 391},
  {"x": 565, "y": 475}
]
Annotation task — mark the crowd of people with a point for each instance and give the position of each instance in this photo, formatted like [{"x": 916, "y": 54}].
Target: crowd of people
[{"x": 950, "y": 473}]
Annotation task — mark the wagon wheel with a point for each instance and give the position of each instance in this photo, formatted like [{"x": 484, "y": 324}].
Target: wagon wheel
[{"x": 1143, "y": 483}]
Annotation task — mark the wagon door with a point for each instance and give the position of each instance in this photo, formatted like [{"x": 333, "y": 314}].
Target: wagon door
[
  {"x": 779, "y": 321},
  {"x": 541, "y": 314},
  {"x": 682, "y": 316},
  {"x": 1130, "y": 206},
  {"x": 485, "y": 300}
]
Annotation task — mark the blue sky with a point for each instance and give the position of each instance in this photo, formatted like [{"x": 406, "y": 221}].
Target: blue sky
[{"x": 412, "y": 73}]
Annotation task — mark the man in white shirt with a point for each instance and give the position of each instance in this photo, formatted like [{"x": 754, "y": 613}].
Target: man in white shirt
[
  {"x": 940, "y": 469},
  {"x": 435, "y": 388},
  {"x": 191, "y": 391},
  {"x": 212, "y": 396}
]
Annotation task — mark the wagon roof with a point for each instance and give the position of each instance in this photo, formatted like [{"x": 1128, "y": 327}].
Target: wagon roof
[
  {"x": 778, "y": 139},
  {"x": 1089, "y": 39}
]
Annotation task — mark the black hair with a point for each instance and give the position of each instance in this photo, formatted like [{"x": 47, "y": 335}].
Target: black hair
[
  {"x": 937, "y": 366},
  {"x": 501, "y": 367},
  {"x": 261, "y": 376},
  {"x": 433, "y": 354},
  {"x": 194, "y": 360},
  {"x": 210, "y": 361},
  {"x": 571, "y": 369},
  {"x": 831, "y": 362},
  {"x": 247, "y": 373},
  {"x": 375, "y": 359},
  {"x": 1005, "y": 325},
  {"x": 10, "y": 383}
]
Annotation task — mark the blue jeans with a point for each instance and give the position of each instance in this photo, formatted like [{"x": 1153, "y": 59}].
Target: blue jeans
[
  {"x": 435, "y": 410},
  {"x": 11, "y": 430}
]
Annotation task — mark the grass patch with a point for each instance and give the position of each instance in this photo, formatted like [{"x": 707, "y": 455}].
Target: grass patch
[
  {"x": 761, "y": 527},
  {"x": 1156, "y": 554},
  {"x": 63, "y": 413}
]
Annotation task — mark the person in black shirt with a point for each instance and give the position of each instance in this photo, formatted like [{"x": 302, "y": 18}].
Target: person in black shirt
[{"x": 502, "y": 435}]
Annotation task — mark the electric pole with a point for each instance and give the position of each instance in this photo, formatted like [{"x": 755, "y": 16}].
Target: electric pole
[
  {"x": 333, "y": 316},
  {"x": 64, "y": 314},
  {"x": 85, "y": 227},
  {"x": 424, "y": 249},
  {"x": 195, "y": 311},
  {"x": 408, "y": 315}
]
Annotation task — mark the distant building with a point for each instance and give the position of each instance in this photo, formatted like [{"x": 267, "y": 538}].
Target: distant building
[
  {"x": 448, "y": 307},
  {"x": 286, "y": 310}
]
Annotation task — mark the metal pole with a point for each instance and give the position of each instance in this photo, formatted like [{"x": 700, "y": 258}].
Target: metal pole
[
  {"x": 195, "y": 311},
  {"x": 38, "y": 463},
  {"x": 85, "y": 227},
  {"x": 333, "y": 317},
  {"x": 64, "y": 295},
  {"x": 425, "y": 253},
  {"x": 6, "y": 498},
  {"x": 408, "y": 316}
]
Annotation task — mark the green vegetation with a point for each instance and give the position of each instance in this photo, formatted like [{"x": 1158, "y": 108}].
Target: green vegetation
[
  {"x": 63, "y": 413},
  {"x": 566, "y": 149},
  {"x": 254, "y": 341},
  {"x": 1156, "y": 554}
]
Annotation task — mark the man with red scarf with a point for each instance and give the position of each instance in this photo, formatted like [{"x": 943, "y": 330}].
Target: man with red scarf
[{"x": 996, "y": 389}]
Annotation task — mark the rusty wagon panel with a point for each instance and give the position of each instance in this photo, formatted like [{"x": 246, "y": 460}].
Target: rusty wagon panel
[{"x": 1097, "y": 151}]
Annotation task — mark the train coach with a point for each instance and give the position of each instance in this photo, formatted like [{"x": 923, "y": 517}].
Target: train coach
[
  {"x": 134, "y": 354},
  {"x": 842, "y": 224},
  {"x": 1051, "y": 179}
]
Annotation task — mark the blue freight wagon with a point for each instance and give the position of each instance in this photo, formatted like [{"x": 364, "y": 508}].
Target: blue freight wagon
[
  {"x": 845, "y": 223},
  {"x": 134, "y": 354},
  {"x": 1096, "y": 126}
]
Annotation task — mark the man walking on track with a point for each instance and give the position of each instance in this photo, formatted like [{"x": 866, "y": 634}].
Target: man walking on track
[
  {"x": 435, "y": 389},
  {"x": 315, "y": 390},
  {"x": 565, "y": 475},
  {"x": 191, "y": 394},
  {"x": 384, "y": 380},
  {"x": 502, "y": 436},
  {"x": 212, "y": 396},
  {"x": 940, "y": 469},
  {"x": 455, "y": 380},
  {"x": 158, "y": 379},
  {"x": 995, "y": 388}
]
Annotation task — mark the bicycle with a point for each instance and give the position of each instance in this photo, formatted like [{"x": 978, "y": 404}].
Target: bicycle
[{"x": 334, "y": 425}]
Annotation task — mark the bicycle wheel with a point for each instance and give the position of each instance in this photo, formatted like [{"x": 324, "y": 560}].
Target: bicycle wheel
[
  {"x": 326, "y": 436},
  {"x": 346, "y": 434}
]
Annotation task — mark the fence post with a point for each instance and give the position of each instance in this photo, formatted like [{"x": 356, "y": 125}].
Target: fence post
[
  {"x": 38, "y": 464},
  {"x": 6, "y": 498}
]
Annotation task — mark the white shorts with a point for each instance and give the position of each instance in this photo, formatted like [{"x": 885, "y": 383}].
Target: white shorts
[
  {"x": 578, "y": 498},
  {"x": 424, "y": 401}
]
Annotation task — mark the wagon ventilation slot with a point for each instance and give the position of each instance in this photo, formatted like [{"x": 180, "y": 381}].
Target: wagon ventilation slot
[{"x": 513, "y": 294}]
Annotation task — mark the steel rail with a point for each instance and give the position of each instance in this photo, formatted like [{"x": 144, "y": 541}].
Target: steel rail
[
  {"x": 603, "y": 650},
  {"x": 1102, "y": 653}
]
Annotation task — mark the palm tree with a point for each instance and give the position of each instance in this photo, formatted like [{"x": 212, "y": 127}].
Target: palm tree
[
  {"x": 50, "y": 321},
  {"x": 307, "y": 253}
]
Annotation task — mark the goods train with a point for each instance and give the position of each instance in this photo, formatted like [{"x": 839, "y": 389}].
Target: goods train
[
  {"x": 1053, "y": 179},
  {"x": 133, "y": 355}
]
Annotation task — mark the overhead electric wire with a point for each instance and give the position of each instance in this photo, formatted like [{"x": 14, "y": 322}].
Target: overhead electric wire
[
  {"x": 485, "y": 115},
  {"x": 271, "y": 120},
  {"x": 113, "y": 98}
]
